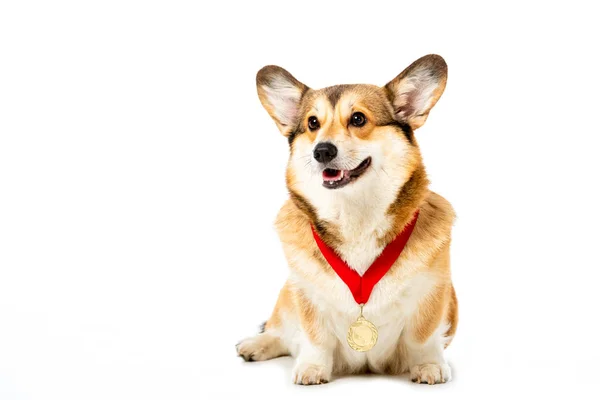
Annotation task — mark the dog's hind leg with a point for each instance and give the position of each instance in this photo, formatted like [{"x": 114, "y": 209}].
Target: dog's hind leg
[
  {"x": 261, "y": 347},
  {"x": 269, "y": 342}
]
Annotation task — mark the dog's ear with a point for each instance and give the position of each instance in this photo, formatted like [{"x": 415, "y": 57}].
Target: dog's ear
[
  {"x": 280, "y": 94},
  {"x": 416, "y": 90}
]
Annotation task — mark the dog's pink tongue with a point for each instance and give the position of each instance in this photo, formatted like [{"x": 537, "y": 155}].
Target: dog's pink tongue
[{"x": 332, "y": 176}]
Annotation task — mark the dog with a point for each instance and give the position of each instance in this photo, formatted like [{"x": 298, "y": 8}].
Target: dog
[{"x": 356, "y": 181}]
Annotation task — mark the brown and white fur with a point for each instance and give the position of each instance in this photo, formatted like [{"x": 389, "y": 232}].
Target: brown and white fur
[{"x": 414, "y": 306}]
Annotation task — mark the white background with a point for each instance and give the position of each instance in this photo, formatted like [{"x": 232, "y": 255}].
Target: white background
[{"x": 140, "y": 177}]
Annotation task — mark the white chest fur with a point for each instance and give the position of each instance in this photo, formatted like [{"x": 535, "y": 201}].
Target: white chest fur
[
  {"x": 364, "y": 222},
  {"x": 390, "y": 307}
]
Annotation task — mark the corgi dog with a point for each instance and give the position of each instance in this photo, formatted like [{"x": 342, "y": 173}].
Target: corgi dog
[{"x": 356, "y": 180}]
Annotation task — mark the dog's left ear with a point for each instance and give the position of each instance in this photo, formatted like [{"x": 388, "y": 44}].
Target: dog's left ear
[
  {"x": 415, "y": 91},
  {"x": 280, "y": 94}
]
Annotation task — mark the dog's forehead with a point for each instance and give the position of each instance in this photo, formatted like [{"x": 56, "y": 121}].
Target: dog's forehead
[
  {"x": 343, "y": 98},
  {"x": 370, "y": 95}
]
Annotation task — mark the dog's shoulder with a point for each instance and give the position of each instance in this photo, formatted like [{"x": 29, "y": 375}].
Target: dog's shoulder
[
  {"x": 293, "y": 226},
  {"x": 438, "y": 211},
  {"x": 294, "y": 229},
  {"x": 434, "y": 226}
]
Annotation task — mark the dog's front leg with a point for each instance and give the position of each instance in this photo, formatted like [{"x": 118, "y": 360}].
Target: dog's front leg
[
  {"x": 426, "y": 361},
  {"x": 315, "y": 347},
  {"x": 425, "y": 339},
  {"x": 314, "y": 364}
]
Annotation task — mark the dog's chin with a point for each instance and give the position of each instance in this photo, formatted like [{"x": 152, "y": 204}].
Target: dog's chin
[{"x": 338, "y": 178}]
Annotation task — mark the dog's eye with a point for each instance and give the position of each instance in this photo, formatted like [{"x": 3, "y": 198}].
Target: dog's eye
[
  {"x": 358, "y": 119},
  {"x": 313, "y": 123}
]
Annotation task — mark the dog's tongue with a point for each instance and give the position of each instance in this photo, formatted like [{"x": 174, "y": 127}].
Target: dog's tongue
[{"x": 331, "y": 175}]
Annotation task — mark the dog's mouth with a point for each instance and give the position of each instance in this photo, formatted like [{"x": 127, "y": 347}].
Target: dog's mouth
[{"x": 337, "y": 178}]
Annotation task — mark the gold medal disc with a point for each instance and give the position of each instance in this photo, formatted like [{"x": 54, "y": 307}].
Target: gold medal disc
[{"x": 362, "y": 335}]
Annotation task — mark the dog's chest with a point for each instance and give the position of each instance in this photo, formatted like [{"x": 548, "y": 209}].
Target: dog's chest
[
  {"x": 361, "y": 252},
  {"x": 390, "y": 308},
  {"x": 360, "y": 239}
]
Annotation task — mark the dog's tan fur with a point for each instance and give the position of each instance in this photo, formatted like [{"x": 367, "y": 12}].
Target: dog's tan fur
[{"x": 415, "y": 303}]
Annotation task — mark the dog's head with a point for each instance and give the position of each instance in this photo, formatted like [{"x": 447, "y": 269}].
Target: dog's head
[{"x": 350, "y": 139}]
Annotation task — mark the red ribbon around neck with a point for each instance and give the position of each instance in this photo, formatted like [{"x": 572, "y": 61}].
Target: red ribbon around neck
[{"x": 362, "y": 286}]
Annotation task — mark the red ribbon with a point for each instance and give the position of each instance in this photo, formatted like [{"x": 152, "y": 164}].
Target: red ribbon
[{"x": 361, "y": 287}]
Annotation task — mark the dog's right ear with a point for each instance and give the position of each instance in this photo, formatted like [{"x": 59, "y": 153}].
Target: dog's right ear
[
  {"x": 416, "y": 90},
  {"x": 280, "y": 94}
]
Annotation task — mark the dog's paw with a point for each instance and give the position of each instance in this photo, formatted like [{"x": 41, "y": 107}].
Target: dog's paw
[
  {"x": 430, "y": 373},
  {"x": 310, "y": 374},
  {"x": 260, "y": 348}
]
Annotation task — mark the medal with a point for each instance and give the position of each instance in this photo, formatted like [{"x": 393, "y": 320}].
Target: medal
[{"x": 362, "y": 334}]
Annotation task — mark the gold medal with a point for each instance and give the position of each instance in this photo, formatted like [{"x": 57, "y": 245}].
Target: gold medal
[{"x": 362, "y": 334}]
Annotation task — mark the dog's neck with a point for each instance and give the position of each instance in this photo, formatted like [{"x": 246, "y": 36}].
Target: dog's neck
[{"x": 359, "y": 226}]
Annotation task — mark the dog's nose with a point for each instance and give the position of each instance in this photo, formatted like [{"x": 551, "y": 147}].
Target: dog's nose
[{"x": 325, "y": 152}]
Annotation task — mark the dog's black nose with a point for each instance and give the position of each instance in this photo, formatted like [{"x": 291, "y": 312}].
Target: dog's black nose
[{"x": 325, "y": 152}]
